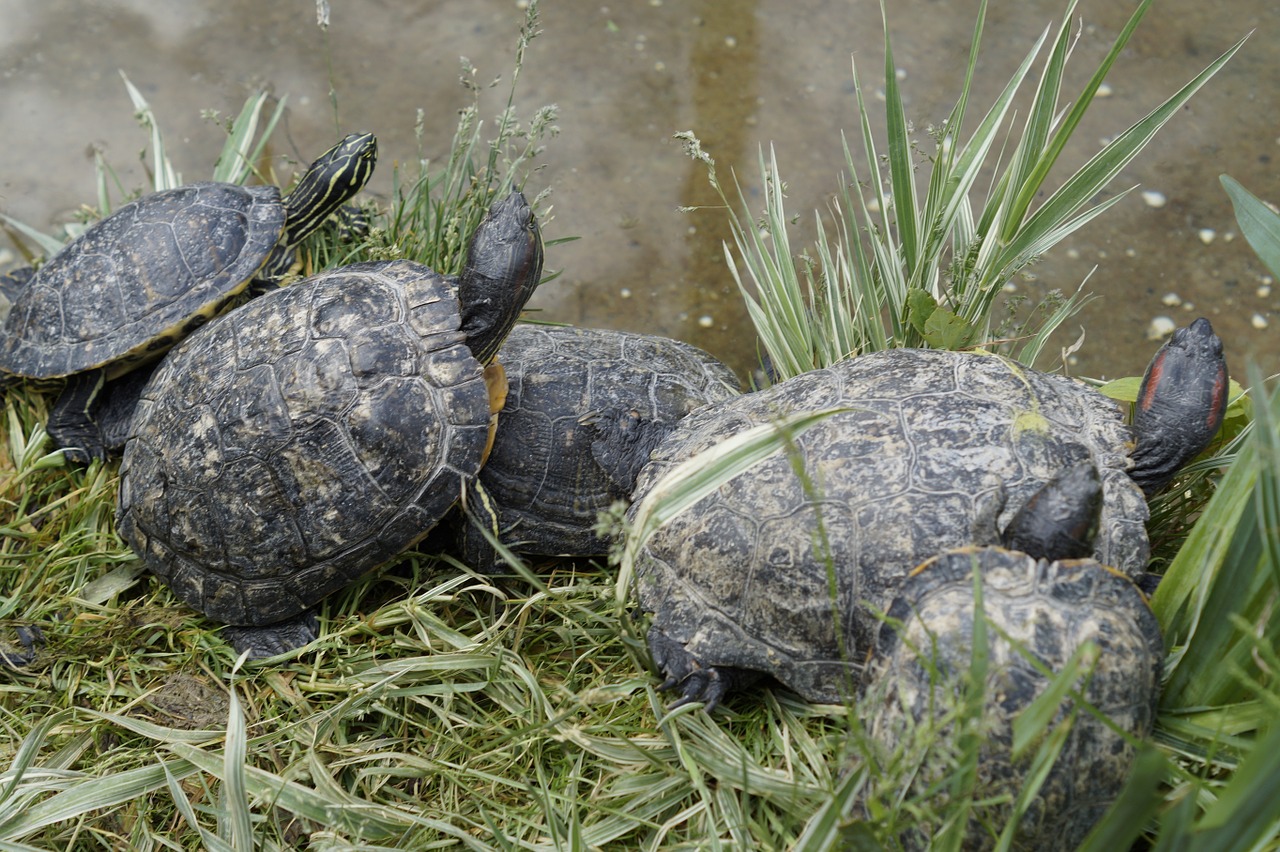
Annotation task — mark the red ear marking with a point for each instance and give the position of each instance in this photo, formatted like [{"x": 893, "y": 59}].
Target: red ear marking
[
  {"x": 1214, "y": 420},
  {"x": 1152, "y": 381}
]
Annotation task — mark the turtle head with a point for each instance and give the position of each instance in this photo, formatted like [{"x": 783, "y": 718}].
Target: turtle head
[
  {"x": 328, "y": 183},
  {"x": 503, "y": 268},
  {"x": 1060, "y": 520},
  {"x": 1180, "y": 405}
]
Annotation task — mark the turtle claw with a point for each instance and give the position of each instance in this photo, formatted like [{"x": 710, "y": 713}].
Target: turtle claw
[
  {"x": 694, "y": 680},
  {"x": 705, "y": 685}
]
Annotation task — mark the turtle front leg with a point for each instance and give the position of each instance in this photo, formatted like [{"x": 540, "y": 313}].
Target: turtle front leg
[
  {"x": 90, "y": 418},
  {"x": 71, "y": 422},
  {"x": 690, "y": 677},
  {"x": 623, "y": 442}
]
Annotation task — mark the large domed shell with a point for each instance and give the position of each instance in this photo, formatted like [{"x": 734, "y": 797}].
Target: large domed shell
[
  {"x": 1035, "y": 611},
  {"x": 140, "y": 279},
  {"x": 287, "y": 448},
  {"x": 544, "y": 473},
  {"x": 932, "y": 450}
]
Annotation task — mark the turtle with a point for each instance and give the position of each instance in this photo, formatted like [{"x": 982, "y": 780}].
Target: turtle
[
  {"x": 925, "y": 450},
  {"x": 123, "y": 292},
  {"x": 302, "y": 440},
  {"x": 11, "y": 283},
  {"x": 1040, "y": 617},
  {"x": 554, "y": 463}
]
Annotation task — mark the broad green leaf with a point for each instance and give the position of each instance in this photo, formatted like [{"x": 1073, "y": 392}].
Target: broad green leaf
[
  {"x": 945, "y": 330},
  {"x": 1245, "y": 814},
  {"x": 1123, "y": 389},
  {"x": 920, "y": 306}
]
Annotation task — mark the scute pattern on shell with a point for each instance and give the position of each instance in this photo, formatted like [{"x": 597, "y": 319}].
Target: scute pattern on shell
[
  {"x": 186, "y": 251},
  {"x": 304, "y": 439},
  {"x": 542, "y": 472},
  {"x": 933, "y": 450},
  {"x": 1051, "y": 610}
]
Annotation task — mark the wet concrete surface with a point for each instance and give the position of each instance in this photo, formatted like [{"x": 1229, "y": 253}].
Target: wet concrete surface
[{"x": 741, "y": 74}]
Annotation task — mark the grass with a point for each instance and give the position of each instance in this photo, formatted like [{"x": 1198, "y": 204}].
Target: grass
[
  {"x": 892, "y": 268},
  {"x": 443, "y": 708}
]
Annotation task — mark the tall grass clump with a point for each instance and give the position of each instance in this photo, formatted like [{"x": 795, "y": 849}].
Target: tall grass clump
[{"x": 901, "y": 262}]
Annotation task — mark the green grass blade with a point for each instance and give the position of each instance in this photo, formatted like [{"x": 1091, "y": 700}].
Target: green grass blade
[
  {"x": 1136, "y": 806},
  {"x": 1035, "y": 719},
  {"x": 1266, "y": 425},
  {"x": 1043, "y": 114},
  {"x": 240, "y": 152},
  {"x": 1245, "y": 817},
  {"x": 902, "y": 180},
  {"x": 1225, "y": 567},
  {"x": 211, "y": 841},
  {"x": 1101, "y": 168},
  {"x": 1049, "y": 153},
  {"x": 970, "y": 159},
  {"x": 234, "y": 163},
  {"x": 165, "y": 176},
  {"x": 47, "y": 244},
  {"x": 348, "y": 814},
  {"x": 829, "y": 828},
  {"x": 24, "y": 759},
  {"x": 235, "y": 799},
  {"x": 941, "y": 181},
  {"x": 93, "y": 794},
  {"x": 1258, "y": 222}
]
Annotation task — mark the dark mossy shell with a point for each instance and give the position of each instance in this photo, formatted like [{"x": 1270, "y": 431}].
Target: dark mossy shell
[
  {"x": 1038, "y": 611},
  {"x": 296, "y": 443},
  {"x": 140, "y": 279},
  {"x": 932, "y": 450},
  {"x": 544, "y": 476}
]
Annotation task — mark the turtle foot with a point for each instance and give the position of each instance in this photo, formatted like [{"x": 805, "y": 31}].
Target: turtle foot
[
  {"x": 30, "y": 638},
  {"x": 693, "y": 680},
  {"x": 623, "y": 443},
  {"x": 270, "y": 640}
]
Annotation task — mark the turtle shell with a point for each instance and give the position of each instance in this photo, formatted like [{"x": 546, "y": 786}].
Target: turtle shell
[
  {"x": 303, "y": 439},
  {"x": 544, "y": 477},
  {"x": 11, "y": 284},
  {"x": 140, "y": 279},
  {"x": 929, "y": 450},
  {"x": 1038, "y": 615}
]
